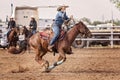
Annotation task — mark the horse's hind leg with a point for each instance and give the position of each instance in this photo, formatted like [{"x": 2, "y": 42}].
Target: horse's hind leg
[{"x": 41, "y": 61}]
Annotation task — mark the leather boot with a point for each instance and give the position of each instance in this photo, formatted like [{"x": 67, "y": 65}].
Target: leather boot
[{"x": 50, "y": 47}]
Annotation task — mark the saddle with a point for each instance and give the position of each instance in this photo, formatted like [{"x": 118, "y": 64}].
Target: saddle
[
  {"x": 47, "y": 36},
  {"x": 44, "y": 35}
]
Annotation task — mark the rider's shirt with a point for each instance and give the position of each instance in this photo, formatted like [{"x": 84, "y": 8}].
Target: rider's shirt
[
  {"x": 60, "y": 17},
  {"x": 11, "y": 24},
  {"x": 33, "y": 24}
]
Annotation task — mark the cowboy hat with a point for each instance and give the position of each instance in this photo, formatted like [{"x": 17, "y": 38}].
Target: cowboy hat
[
  {"x": 11, "y": 17},
  {"x": 60, "y": 7},
  {"x": 32, "y": 16}
]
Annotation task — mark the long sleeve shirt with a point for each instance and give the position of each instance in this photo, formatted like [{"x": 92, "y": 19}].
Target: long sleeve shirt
[
  {"x": 60, "y": 17},
  {"x": 33, "y": 24},
  {"x": 11, "y": 24}
]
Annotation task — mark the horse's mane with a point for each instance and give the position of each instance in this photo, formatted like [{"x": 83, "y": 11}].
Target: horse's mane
[
  {"x": 80, "y": 22},
  {"x": 77, "y": 24}
]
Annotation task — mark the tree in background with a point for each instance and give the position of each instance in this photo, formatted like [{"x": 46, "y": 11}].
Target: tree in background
[
  {"x": 97, "y": 22},
  {"x": 87, "y": 20},
  {"x": 117, "y": 3}
]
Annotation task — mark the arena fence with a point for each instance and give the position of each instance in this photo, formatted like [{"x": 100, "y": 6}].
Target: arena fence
[{"x": 110, "y": 31}]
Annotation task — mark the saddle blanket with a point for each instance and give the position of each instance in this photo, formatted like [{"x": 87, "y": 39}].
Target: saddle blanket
[{"x": 45, "y": 35}]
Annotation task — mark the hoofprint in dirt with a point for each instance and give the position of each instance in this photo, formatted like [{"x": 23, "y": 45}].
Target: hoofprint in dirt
[{"x": 84, "y": 64}]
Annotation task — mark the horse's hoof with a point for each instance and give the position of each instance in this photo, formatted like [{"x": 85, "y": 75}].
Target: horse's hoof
[
  {"x": 45, "y": 66},
  {"x": 45, "y": 70}
]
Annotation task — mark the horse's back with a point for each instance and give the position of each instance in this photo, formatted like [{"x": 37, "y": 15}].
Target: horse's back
[{"x": 37, "y": 42}]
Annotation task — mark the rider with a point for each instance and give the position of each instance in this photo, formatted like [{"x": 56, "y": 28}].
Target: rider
[
  {"x": 59, "y": 20},
  {"x": 33, "y": 25},
  {"x": 11, "y": 25}
]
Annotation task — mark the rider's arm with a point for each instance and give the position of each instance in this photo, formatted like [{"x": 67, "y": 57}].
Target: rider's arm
[
  {"x": 65, "y": 16},
  {"x": 35, "y": 24},
  {"x": 30, "y": 25},
  {"x": 14, "y": 24}
]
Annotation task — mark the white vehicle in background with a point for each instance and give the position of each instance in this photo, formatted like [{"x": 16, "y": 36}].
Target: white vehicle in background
[{"x": 3, "y": 38}]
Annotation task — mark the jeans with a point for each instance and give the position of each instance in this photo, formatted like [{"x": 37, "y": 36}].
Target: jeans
[
  {"x": 56, "y": 30},
  {"x": 8, "y": 32},
  {"x": 33, "y": 31}
]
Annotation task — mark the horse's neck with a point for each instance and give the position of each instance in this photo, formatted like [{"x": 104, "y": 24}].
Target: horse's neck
[
  {"x": 11, "y": 33},
  {"x": 28, "y": 34},
  {"x": 72, "y": 34}
]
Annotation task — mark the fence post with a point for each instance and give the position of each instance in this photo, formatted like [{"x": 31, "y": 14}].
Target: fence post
[
  {"x": 111, "y": 40},
  {"x": 88, "y": 42}
]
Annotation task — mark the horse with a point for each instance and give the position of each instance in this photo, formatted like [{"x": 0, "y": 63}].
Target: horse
[
  {"x": 26, "y": 32},
  {"x": 40, "y": 45},
  {"x": 13, "y": 36},
  {"x": 23, "y": 44}
]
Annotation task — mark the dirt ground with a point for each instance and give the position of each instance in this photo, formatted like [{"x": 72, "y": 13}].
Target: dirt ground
[{"x": 84, "y": 64}]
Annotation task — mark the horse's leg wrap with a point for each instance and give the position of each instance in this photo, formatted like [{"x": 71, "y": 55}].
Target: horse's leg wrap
[
  {"x": 60, "y": 62},
  {"x": 55, "y": 64},
  {"x": 51, "y": 67}
]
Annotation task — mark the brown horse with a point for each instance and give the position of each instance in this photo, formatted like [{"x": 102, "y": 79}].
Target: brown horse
[
  {"x": 26, "y": 32},
  {"x": 40, "y": 45},
  {"x": 13, "y": 37}
]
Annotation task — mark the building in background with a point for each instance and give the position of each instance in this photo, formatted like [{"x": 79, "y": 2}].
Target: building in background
[
  {"x": 23, "y": 15},
  {"x": 43, "y": 23}
]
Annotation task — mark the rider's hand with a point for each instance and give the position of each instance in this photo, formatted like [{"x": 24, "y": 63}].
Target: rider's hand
[
  {"x": 71, "y": 17},
  {"x": 12, "y": 28}
]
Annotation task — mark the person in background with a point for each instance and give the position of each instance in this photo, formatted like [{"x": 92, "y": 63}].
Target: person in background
[
  {"x": 33, "y": 25},
  {"x": 59, "y": 20},
  {"x": 11, "y": 25}
]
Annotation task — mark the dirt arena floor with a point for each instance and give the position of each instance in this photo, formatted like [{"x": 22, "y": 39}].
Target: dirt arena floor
[{"x": 84, "y": 64}]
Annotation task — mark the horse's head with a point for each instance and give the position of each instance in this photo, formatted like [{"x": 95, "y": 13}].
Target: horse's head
[
  {"x": 24, "y": 30},
  {"x": 16, "y": 30},
  {"x": 84, "y": 30}
]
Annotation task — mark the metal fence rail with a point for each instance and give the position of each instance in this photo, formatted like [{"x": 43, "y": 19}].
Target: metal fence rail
[{"x": 111, "y": 35}]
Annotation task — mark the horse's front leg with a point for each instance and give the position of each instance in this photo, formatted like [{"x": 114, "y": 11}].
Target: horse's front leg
[
  {"x": 9, "y": 45},
  {"x": 15, "y": 44}
]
